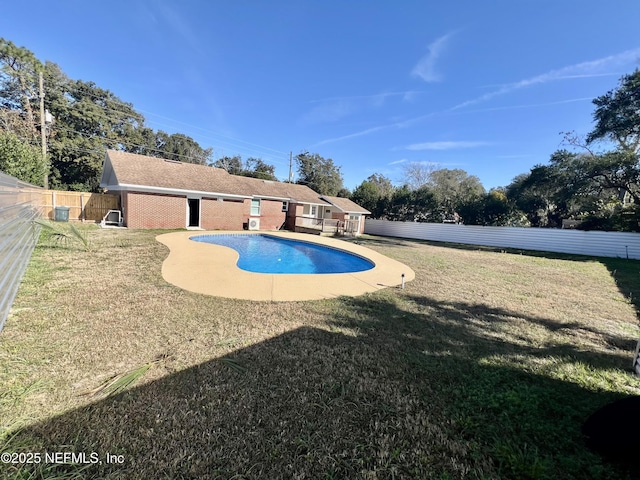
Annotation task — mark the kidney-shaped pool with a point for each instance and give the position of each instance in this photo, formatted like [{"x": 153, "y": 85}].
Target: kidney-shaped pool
[{"x": 261, "y": 253}]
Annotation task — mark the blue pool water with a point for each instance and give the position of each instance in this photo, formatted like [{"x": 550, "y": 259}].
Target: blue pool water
[{"x": 268, "y": 254}]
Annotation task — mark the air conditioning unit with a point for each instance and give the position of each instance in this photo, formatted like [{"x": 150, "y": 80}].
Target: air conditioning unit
[{"x": 254, "y": 224}]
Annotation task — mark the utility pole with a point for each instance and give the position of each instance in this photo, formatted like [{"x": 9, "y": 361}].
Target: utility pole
[
  {"x": 290, "y": 167},
  {"x": 43, "y": 133}
]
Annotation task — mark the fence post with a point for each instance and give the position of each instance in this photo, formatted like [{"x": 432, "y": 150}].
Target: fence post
[{"x": 82, "y": 207}]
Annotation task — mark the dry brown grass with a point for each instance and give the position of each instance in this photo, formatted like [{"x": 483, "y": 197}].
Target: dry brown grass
[{"x": 483, "y": 367}]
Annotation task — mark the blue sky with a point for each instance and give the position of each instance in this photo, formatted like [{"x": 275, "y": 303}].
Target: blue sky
[{"x": 482, "y": 86}]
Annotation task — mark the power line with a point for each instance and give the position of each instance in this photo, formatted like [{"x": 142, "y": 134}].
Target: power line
[
  {"x": 261, "y": 149},
  {"x": 208, "y": 132},
  {"x": 97, "y": 151},
  {"x": 143, "y": 147}
]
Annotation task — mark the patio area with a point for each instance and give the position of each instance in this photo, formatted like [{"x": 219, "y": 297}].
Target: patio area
[{"x": 212, "y": 270}]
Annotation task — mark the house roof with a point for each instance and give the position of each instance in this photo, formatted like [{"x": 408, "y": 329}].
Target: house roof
[
  {"x": 285, "y": 191},
  {"x": 345, "y": 205},
  {"x": 130, "y": 171}
]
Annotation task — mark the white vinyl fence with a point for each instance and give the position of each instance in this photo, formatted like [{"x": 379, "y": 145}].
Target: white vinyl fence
[
  {"x": 602, "y": 244},
  {"x": 19, "y": 206}
]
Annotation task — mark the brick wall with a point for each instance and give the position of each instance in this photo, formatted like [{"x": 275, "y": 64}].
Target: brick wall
[
  {"x": 295, "y": 210},
  {"x": 149, "y": 210},
  {"x": 271, "y": 215},
  {"x": 225, "y": 215}
]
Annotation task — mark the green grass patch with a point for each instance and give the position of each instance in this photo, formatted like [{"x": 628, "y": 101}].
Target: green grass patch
[{"x": 484, "y": 367}]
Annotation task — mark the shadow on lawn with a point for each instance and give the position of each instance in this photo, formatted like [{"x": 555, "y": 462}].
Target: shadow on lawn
[{"x": 390, "y": 392}]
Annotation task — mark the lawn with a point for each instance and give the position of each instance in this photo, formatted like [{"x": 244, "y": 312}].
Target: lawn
[{"x": 483, "y": 367}]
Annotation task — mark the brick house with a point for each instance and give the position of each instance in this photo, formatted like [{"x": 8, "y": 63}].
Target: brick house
[{"x": 158, "y": 193}]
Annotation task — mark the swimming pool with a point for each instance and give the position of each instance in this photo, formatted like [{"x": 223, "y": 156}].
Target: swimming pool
[{"x": 261, "y": 253}]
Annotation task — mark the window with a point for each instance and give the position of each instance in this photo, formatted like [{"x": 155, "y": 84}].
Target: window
[
  {"x": 314, "y": 209},
  {"x": 255, "y": 206},
  {"x": 285, "y": 206}
]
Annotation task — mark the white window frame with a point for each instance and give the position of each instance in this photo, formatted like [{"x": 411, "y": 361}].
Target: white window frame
[
  {"x": 253, "y": 206},
  {"x": 285, "y": 206}
]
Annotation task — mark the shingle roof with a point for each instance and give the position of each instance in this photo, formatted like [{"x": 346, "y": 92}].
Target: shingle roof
[
  {"x": 345, "y": 205},
  {"x": 293, "y": 191},
  {"x": 132, "y": 170}
]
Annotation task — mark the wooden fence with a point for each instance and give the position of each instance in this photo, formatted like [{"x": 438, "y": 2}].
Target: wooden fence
[{"x": 85, "y": 207}]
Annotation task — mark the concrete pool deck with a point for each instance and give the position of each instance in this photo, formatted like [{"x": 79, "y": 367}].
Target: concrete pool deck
[{"x": 211, "y": 270}]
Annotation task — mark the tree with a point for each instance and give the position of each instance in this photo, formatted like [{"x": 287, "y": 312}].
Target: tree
[
  {"x": 566, "y": 188},
  {"x": 617, "y": 170},
  {"x": 344, "y": 192},
  {"x": 20, "y": 159},
  {"x": 417, "y": 174},
  {"x": 18, "y": 80},
  {"x": 252, "y": 167},
  {"x": 605, "y": 191},
  {"x": 232, "y": 165},
  {"x": 383, "y": 184},
  {"x": 366, "y": 195},
  {"x": 407, "y": 205},
  {"x": 13, "y": 121},
  {"x": 319, "y": 174},
  {"x": 544, "y": 194},
  {"x": 452, "y": 188},
  {"x": 180, "y": 147},
  {"x": 498, "y": 211},
  {"x": 374, "y": 194},
  {"x": 493, "y": 208},
  {"x": 617, "y": 115},
  {"x": 257, "y": 168},
  {"x": 88, "y": 120},
  {"x": 599, "y": 188}
]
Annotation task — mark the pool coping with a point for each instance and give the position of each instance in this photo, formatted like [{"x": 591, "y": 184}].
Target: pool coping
[{"x": 211, "y": 270}]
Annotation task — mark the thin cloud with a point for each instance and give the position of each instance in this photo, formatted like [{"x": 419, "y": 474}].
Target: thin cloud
[
  {"x": 565, "y": 77},
  {"x": 511, "y": 157},
  {"x": 530, "y": 105},
  {"x": 399, "y": 124},
  {"x": 373, "y": 97},
  {"x": 411, "y": 121},
  {"x": 582, "y": 70},
  {"x": 179, "y": 25},
  {"x": 426, "y": 66},
  {"x": 585, "y": 68},
  {"x": 397, "y": 162},
  {"x": 332, "y": 109},
  {"x": 445, "y": 145},
  {"x": 329, "y": 112},
  {"x": 353, "y": 135}
]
